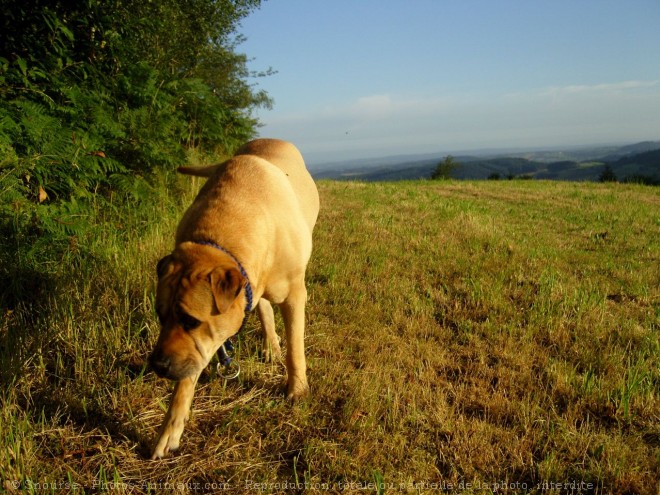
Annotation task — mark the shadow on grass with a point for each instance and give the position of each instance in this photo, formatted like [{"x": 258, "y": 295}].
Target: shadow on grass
[
  {"x": 24, "y": 306},
  {"x": 37, "y": 364},
  {"x": 94, "y": 421}
]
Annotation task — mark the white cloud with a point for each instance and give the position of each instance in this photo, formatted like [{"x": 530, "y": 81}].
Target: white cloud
[
  {"x": 373, "y": 106},
  {"x": 598, "y": 88}
]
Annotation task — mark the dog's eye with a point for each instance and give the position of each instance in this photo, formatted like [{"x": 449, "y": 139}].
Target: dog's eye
[{"x": 188, "y": 322}]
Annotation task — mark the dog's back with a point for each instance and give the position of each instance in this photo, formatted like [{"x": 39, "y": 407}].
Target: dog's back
[{"x": 287, "y": 158}]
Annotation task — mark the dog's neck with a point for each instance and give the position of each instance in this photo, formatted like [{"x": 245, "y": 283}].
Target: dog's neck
[{"x": 248, "y": 287}]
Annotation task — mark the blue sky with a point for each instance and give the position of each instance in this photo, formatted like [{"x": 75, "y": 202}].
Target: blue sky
[{"x": 370, "y": 78}]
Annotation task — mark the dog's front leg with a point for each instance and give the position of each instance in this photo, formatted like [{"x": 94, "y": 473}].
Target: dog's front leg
[
  {"x": 271, "y": 344},
  {"x": 293, "y": 312},
  {"x": 176, "y": 417}
]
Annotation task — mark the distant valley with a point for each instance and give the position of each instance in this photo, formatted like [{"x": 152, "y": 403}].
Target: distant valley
[{"x": 639, "y": 162}]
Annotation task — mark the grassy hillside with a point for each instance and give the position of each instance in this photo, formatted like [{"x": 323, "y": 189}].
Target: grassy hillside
[{"x": 497, "y": 334}]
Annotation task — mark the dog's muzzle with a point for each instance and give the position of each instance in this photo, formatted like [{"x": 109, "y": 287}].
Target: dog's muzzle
[{"x": 160, "y": 364}]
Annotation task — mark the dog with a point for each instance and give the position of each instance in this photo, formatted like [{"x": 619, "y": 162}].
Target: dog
[{"x": 244, "y": 242}]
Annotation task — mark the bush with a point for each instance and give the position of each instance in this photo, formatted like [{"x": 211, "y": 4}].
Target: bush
[
  {"x": 98, "y": 101},
  {"x": 98, "y": 98}
]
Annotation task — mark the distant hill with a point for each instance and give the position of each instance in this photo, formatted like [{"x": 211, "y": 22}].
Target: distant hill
[
  {"x": 639, "y": 162},
  {"x": 644, "y": 166},
  {"x": 633, "y": 149}
]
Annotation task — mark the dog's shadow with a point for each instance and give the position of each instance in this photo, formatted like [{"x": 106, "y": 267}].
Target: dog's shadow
[{"x": 81, "y": 425}]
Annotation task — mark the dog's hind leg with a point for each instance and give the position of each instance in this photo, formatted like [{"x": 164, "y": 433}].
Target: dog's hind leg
[
  {"x": 271, "y": 342},
  {"x": 176, "y": 417},
  {"x": 293, "y": 312}
]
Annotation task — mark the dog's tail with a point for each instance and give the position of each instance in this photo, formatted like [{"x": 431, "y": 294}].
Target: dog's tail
[{"x": 198, "y": 171}]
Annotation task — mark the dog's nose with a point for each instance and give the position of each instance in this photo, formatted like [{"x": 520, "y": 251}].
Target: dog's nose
[{"x": 159, "y": 363}]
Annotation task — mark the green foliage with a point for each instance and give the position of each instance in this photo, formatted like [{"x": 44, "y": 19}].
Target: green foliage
[
  {"x": 100, "y": 98},
  {"x": 444, "y": 169}
]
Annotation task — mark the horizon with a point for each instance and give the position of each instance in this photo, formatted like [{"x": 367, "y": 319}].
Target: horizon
[
  {"x": 318, "y": 166},
  {"x": 358, "y": 80}
]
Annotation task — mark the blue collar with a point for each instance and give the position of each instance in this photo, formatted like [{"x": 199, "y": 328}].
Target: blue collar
[{"x": 248, "y": 286}]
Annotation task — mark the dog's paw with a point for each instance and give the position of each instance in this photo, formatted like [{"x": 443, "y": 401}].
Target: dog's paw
[
  {"x": 168, "y": 440},
  {"x": 271, "y": 355},
  {"x": 164, "y": 446},
  {"x": 297, "y": 391},
  {"x": 271, "y": 352}
]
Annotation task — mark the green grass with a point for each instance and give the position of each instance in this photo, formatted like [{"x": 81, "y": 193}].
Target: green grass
[{"x": 483, "y": 335}]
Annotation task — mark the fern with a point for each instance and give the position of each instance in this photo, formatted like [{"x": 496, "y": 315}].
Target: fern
[{"x": 100, "y": 99}]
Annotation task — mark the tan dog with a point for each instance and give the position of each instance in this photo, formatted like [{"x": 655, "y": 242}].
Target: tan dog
[{"x": 249, "y": 229}]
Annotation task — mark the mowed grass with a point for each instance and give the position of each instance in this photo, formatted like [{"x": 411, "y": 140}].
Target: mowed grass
[{"x": 477, "y": 336}]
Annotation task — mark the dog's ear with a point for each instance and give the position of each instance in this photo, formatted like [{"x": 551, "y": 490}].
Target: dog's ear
[
  {"x": 165, "y": 268},
  {"x": 164, "y": 265},
  {"x": 226, "y": 285}
]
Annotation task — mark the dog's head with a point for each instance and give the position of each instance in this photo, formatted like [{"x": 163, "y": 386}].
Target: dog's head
[{"x": 200, "y": 301}]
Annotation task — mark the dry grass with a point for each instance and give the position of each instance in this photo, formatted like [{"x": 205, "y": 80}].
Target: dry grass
[{"x": 484, "y": 336}]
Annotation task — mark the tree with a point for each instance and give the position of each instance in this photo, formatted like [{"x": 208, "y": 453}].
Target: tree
[
  {"x": 444, "y": 169},
  {"x": 607, "y": 175}
]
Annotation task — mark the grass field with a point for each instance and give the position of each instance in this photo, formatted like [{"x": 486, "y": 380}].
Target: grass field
[{"x": 468, "y": 336}]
